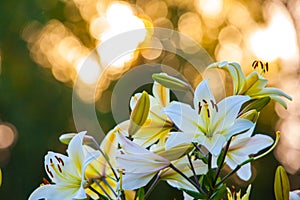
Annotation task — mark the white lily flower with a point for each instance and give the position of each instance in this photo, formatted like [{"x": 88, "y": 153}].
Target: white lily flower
[
  {"x": 103, "y": 169},
  {"x": 66, "y": 172},
  {"x": 294, "y": 195},
  {"x": 208, "y": 123},
  {"x": 241, "y": 147},
  {"x": 253, "y": 85},
  {"x": 138, "y": 164}
]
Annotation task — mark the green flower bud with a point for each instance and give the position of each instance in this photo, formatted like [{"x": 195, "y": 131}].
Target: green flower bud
[
  {"x": 67, "y": 137},
  {"x": 281, "y": 184},
  {"x": 139, "y": 114},
  {"x": 171, "y": 82},
  {"x": 251, "y": 115}
]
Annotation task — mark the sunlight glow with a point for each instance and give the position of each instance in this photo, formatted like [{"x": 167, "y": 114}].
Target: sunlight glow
[
  {"x": 209, "y": 8},
  {"x": 277, "y": 40},
  {"x": 120, "y": 19}
]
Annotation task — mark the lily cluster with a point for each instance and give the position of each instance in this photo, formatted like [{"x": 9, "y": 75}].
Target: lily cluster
[{"x": 188, "y": 146}]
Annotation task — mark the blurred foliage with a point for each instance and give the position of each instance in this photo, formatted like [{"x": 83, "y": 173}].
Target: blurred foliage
[{"x": 40, "y": 106}]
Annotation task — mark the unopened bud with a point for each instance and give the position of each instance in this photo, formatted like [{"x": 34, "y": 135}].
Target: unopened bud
[
  {"x": 67, "y": 137},
  {"x": 281, "y": 184},
  {"x": 171, "y": 82},
  {"x": 251, "y": 115},
  {"x": 139, "y": 113}
]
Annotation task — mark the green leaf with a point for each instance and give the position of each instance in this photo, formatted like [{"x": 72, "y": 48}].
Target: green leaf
[
  {"x": 208, "y": 180},
  {"x": 194, "y": 194},
  {"x": 219, "y": 160},
  {"x": 220, "y": 193},
  {"x": 281, "y": 184},
  {"x": 139, "y": 114},
  {"x": 171, "y": 82},
  {"x": 141, "y": 194}
]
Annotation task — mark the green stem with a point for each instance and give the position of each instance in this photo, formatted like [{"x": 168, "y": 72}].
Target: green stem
[
  {"x": 105, "y": 192},
  {"x": 109, "y": 186},
  {"x": 233, "y": 171},
  {"x": 222, "y": 161},
  {"x": 106, "y": 158},
  {"x": 95, "y": 191},
  {"x": 209, "y": 161},
  {"x": 197, "y": 186},
  {"x": 192, "y": 167},
  {"x": 151, "y": 188}
]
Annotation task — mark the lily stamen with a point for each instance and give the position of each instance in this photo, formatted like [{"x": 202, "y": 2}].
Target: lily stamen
[
  {"x": 59, "y": 168},
  {"x": 49, "y": 172},
  {"x": 60, "y": 160},
  {"x": 207, "y": 110},
  {"x": 45, "y": 181},
  {"x": 199, "y": 108}
]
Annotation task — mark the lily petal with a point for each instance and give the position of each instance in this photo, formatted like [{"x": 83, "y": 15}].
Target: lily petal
[
  {"x": 233, "y": 160},
  {"x": 138, "y": 159},
  {"x": 75, "y": 151},
  {"x": 239, "y": 126},
  {"x": 52, "y": 192},
  {"x": 203, "y": 92},
  {"x": 228, "y": 111},
  {"x": 251, "y": 145},
  {"x": 131, "y": 182},
  {"x": 179, "y": 138},
  {"x": 161, "y": 93},
  {"x": 184, "y": 117},
  {"x": 244, "y": 172},
  {"x": 213, "y": 144}
]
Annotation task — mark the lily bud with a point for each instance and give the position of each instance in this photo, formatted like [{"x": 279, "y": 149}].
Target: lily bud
[
  {"x": 67, "y": 137},
  {"x": 139, "y": 113},
  {"x": 175, "y": 153},
  {"x": 281, "y": 184},
  {"x": 251, "y": 115},
  {"x": 251, "y": 79},
  {"x": 171, "y": 82}
]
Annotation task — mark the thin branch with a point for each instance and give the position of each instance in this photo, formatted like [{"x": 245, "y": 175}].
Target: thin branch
[{"x": 196, "y": 185}]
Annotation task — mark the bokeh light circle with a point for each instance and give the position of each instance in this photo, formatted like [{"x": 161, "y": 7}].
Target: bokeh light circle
[{"x": 8, "y": 135}]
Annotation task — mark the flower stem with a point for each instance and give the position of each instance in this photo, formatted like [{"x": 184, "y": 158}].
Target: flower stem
[
  {"x": 192, "y": 168},
  {"x": 196, "y": 185},
  {"x": 106, "y": 158},
  {"x": 233, "y": 171},
  {"x": 105, "y": 192},
  {"x": 151, "y": 188},
  {"x": 109, "y": 186},
  {"x": 209, "y": 161},
  {"x": 222, "y": 161},
  {"x": 95, "y": 191}
]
